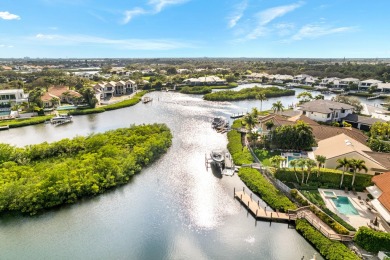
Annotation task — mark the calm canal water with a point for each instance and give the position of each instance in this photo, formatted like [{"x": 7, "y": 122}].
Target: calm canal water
[{"x": 174, "y": 209}]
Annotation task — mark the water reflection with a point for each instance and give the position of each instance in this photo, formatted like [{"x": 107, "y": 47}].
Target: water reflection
[{"x": 175, "y": 208}]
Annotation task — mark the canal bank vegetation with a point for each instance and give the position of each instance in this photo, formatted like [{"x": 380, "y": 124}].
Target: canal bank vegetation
[
  {"x": 125, "y": 103},
  {"x": 372, "y": 240},
  {"x": 201, "y": 90},
  {"x": 240, "y": 154},
  {"x": 14, "y": 123},
  {"x": 47, "y": 175},
  {"x": 328, "y": 249},
  {"x": 248, "y": 93},
  {"x": 257, "y": 183}
]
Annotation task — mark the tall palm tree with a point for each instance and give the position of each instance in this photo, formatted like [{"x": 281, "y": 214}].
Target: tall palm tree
[
  {"x": 345, "y": 164},
  {"x": 320, "y": 162},
  {"x": 277, "y": 160},
  {"x": 277, "y": 106},
  {"x": 357, "y": 165},
  {"x": 309, "y": 163},
  {"x": 301, "y": 163},
  {"x": 249, "y": 121},
  {"x": 294, "y": 163},
  {"x": 255, "y": 113},
  {"x": 261, "y": 97}
]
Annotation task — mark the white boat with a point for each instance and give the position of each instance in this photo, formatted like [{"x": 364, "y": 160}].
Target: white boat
[
  {"x": 146, "y": 99},
  {"x": 61, "y": 119}
]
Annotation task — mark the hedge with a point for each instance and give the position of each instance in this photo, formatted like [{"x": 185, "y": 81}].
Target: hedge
[
  {"x": 125, "y": 103},
  {"x": 372, "y": 240},
  {"x": 25, "y": 121},
  {"x": 328, "y": 249},
  {"x": 257, "y": 183},
  {"x": 337, "y": 227},
  {"x": 329, "y": 178},
  {"x": 338, "y": 219},
  {"x": 240, "y": 154}
]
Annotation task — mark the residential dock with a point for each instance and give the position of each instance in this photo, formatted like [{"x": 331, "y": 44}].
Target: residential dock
[
  {"x": 5, "y": 127},
  {"x": 259, "y": 212},
  {"x": 235, "y": 116}
]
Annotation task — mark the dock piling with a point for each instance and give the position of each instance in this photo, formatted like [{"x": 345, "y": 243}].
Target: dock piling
[{"x": 234, "y": 192}]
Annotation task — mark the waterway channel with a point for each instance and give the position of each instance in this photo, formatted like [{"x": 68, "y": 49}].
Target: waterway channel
[{"x": 174, "y": 209}]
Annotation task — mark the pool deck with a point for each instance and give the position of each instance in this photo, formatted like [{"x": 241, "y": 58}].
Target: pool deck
[{"x": 365, "y": 215}]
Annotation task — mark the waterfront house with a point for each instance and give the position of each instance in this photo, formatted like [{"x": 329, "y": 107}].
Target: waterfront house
[
  {"x": 384, "y": 87},
  {"x": 342, "y": 146},
  {"x": 325, "y": 110},
  {"x": 366, "y": 84},
  {"x": 205, "y": 81},
  {"x": 329, "y": 82},
  {"x": 381, "y": 193},
  {"x": 106, "y": 90},
  {"x": 58, "y": 94},
  {"x": 343, "y": 83},
  {"x": 257, "y": 76},
  {"x": 12, "y": 96}
]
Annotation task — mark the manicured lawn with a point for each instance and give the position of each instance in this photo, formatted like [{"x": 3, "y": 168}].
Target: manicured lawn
[
  {"x": 314, "y": 197},
  {"x": 265, "y": 155}
]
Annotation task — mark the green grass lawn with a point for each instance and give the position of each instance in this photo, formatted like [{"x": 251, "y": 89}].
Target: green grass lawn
[
  {"x": 314, "y": 197},
  {"x": 265, "y": 155}
]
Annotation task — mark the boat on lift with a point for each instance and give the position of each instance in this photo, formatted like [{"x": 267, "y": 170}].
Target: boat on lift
[{"x": 219, "y": 122}]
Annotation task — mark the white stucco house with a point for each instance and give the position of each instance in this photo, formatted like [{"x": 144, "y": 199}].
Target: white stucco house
[
  {"x": 366, "y": 84},
  {"x": 112, "y": 88},
  {"x": 325, "y": 110},
  {"x": 13, "y": 96},
  {"x": 343, "y": 83}
]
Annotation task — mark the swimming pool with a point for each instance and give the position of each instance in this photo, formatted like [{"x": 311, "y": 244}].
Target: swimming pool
[
  {"x": 344, "y": 206},
  {"x": 329, "y": 194},
  {"x": 290, "y": 158}
]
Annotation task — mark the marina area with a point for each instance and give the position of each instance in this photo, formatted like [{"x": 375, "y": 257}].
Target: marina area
[{"x": 187, "y": 206}]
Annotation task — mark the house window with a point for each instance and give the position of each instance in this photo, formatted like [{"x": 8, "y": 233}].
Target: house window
[
  {"x": 337, "y": 115},
  {"x": 328, "y": 115},
  {"x": 342, "y": 111}
]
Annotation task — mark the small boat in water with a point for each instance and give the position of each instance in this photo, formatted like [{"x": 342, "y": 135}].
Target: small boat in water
[
  {"x": 61, "y": 119},
  {"x": 219, "y": 122},
  {"x": 146, "y": 99}
]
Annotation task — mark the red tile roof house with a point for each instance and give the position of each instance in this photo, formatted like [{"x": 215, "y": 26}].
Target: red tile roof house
[
  {"x": 59, "y": 93},
  {"x": 381, "y": 193}
]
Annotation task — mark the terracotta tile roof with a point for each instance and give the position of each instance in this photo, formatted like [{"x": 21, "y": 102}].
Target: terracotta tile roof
[
  {"x": 48, "y": 97},
  {"x": 322, "y": 132},
  {"x": 304, "y": 119},
  {"x": 58, "y": 91},
  {"x": 382, "y": 181}
]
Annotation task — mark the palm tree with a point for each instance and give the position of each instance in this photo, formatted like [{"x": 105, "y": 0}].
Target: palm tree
[
  {"x": 276, "y": 160},
  {"x": 255, "y": 113},
  {"x": 309, "y": 163},
  {"x": 321, "y": 162},
  {"x": 358, "y": 165},
  {"x": 345, "y": 164},
  {"x": 301, "y": 163},
  {"x": 249, "y": 121},
  {"x": 294, "y": 163},
  {"x": 261, "y": 97},
  {"x": 277, "y": 106}
]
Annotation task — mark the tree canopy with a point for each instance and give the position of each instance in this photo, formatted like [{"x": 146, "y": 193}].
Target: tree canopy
[{"x": 296, "y": 137}]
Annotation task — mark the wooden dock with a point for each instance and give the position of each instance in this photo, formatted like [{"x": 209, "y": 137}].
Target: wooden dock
[
  {"x": 235, "y": 116},
  {"x": 259, "y": 212}
]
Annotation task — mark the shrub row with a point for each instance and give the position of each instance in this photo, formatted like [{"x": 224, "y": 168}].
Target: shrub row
[
  {"x": 196, "y": 90},
  {"x": 372, "y": 240},
  {"x": 338, "y": 219},
  {"x": 248, "y": 93},
  {"x": 328, "y": 178},
  {"x": 257, "y": 183},
  {"x": 126, "y": 103},
  {"x": 240, "y": 154},
  {"x": 337, "y": 227},
  {"x": 25, "y": 121},
  {"x": 328, "y": 249}
]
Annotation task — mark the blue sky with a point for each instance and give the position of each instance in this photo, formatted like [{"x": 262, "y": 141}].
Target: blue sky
[{"x": 194, "y": 28}]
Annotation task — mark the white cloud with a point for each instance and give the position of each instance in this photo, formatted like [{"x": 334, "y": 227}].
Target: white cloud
[
  {"x": 156, "y": 7},
  {"x": 129, "y": 14},
  {"x": 130, "y": 44},
  {"x": 237, "y": 14},
  {"x": 270, "y": 14},
  {"x": 6, "y": 46},
  {"x": 8, "y": 16},
  {"x": 315, "y": 30},
  {"x": 283, "y": 29},
  {"x": 267, "y": 16}
]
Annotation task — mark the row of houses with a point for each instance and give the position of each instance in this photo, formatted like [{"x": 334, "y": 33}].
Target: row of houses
[
  {"x": 205, "y": 81},
  {"x": 106, "y": 90},
  {"x": 334, "y": 82}
]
